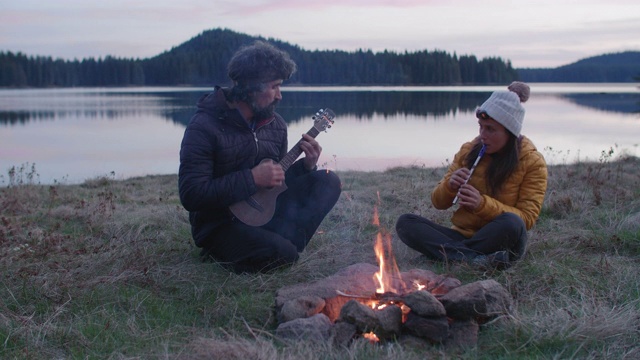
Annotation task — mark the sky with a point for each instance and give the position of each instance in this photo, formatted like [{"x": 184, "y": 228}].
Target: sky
[{"x": 544, "y": 33}]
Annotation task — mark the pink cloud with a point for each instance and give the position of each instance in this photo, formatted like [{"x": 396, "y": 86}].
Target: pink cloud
[{"x": 276, "y": 5}]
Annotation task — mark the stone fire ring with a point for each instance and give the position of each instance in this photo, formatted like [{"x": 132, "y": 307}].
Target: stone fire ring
[{"x": 333, "y": 309}]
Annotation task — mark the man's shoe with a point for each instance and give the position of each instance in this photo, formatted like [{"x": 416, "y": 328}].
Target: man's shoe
[{"x": 498, "y": 260}]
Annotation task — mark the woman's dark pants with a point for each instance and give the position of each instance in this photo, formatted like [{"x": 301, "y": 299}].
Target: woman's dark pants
[{"x": 506, "y": 232}]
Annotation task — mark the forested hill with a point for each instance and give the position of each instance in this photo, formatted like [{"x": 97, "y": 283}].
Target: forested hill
[
  {"x": 203, "y": 59},
  {"x": 618, "y": 67}
]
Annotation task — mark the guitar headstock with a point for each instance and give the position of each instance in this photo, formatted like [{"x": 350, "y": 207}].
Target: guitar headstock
[{"x": 323, "y": 119}]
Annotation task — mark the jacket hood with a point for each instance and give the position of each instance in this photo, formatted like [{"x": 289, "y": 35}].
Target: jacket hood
[{"x": 213, "y": 100}]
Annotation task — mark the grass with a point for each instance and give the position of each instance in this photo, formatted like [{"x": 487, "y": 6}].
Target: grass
[{"x": 107, "y": 269}]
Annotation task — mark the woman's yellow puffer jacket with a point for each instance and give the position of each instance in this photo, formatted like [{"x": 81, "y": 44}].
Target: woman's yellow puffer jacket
[{"x": 522, "y": 193}]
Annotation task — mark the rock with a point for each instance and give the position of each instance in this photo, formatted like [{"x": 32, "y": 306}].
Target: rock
[
  {"x": 435, "y": 284},
  {"x": 435, "y": 329},
  {"x": 465, "y": 302},
  {"x": 390, "y": 320},
  {"x": 316, "y": 328},
  {"x": 360, "y": 315},
  {"x": 423, "y": 303},
  {"x": 499, "y": 300},
  {"x": 463, "y": 333},
  {"x": 480, "y": 299},
  {"x": 302, "y": 307},
  {"x": 342, "y": 333}
]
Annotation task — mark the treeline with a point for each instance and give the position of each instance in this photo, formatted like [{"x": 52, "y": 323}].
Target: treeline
[
  {"x": 20, "y": 70},
  {"x": 616, "y": 67},
  {"x": 202, "y": 61}
]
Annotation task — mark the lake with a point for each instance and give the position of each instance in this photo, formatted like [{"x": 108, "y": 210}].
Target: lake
[{"x": 71, "y": 135}]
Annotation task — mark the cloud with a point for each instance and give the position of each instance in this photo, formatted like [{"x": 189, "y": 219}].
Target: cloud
[{"x": 530, "y": 33}]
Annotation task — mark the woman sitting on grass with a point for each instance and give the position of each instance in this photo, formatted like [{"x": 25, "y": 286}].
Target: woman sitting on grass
[{"x": 498, "y": 204}]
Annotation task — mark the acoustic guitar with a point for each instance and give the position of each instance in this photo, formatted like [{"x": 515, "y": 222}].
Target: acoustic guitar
[{"x": 258, "y": 209}]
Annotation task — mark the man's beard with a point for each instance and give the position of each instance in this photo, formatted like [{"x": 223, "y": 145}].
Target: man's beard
[{"x": 263, "y": 113}]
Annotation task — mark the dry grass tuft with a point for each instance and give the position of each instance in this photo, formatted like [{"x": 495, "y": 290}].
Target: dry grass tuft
[{"x": 240, "y": 349}]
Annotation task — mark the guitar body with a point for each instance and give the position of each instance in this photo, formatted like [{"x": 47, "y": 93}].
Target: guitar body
[{"x": 258, "y": 209}]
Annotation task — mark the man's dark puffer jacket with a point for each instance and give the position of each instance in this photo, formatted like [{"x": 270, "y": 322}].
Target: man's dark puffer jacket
[{"x": 216, "y": 156}]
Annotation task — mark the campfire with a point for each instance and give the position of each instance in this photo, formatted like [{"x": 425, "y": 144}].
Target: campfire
[{"x": 383, "y": 304}]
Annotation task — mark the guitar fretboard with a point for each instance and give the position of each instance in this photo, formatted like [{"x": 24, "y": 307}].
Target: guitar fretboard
[{"x": 295, "y": 151}]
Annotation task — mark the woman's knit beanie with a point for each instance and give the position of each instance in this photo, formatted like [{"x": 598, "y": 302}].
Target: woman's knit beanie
[{"x": 506, "y": 107}]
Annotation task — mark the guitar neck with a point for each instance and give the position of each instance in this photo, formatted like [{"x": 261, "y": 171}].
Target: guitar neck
[{"x": 295, "y": 151}]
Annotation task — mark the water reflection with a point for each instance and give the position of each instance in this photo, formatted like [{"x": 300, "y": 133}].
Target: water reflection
[
  {"x": 23, "y": 117},
  {"x": 17, "y": 108},
  {"x": 364, "y": 105},
  {"x": 75, "y": 134},
  {"x": 178, "y": 106},
  {"x": 616, "y": 103}
]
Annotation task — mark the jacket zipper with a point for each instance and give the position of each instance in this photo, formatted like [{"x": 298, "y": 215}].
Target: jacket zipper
[
  {"x": 254, "y": 128},
  {"x": 255, "y": 137}
]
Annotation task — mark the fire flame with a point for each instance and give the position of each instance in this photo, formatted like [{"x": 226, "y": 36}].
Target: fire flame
[
  {"x": 418, "y": 286},
  {"x": 388, "y": 276},
  {"x": 371, "y": 336}
]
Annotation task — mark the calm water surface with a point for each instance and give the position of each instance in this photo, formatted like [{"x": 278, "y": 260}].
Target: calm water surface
[{"x": 71, "y": 135}]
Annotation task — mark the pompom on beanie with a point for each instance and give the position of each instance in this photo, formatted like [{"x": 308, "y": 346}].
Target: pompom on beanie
[{"x": 506, "y": 107}]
